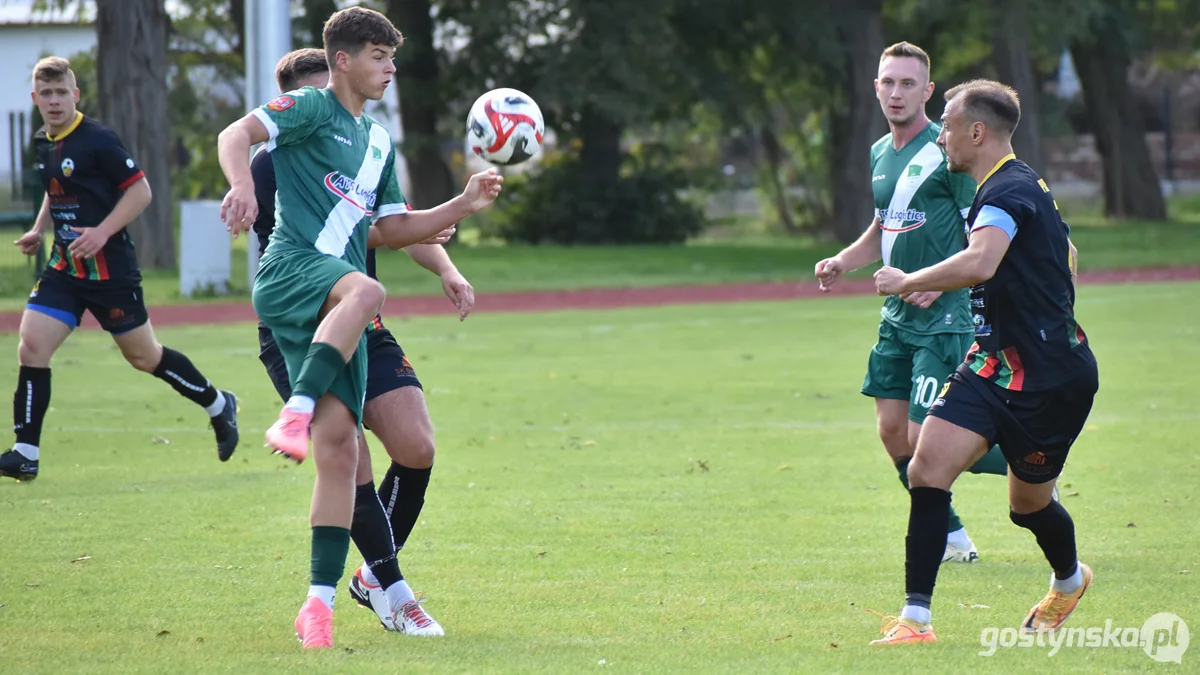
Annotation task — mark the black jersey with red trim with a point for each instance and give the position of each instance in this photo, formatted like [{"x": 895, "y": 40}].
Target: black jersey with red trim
[
  {"x": 86, "y": 170},
  {"x": 1026, "y": 335}
]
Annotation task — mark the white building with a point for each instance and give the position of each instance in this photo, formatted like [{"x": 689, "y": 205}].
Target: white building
[{"x": 28, "y": 36}]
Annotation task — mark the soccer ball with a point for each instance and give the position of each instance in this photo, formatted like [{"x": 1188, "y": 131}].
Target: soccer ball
[{"x": 505, "y": 127}]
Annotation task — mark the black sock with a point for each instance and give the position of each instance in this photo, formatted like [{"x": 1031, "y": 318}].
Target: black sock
[
  {"x": 403, "y": 494},
  {"x": 926, "y": 542},
  {"x": 176, "y": 370},
  {"x": 1055, "y": 532},
  {"x": 30, "y": 402},
  {"x": 954, "y": 524},
  {"x": 373, "y": 535}
]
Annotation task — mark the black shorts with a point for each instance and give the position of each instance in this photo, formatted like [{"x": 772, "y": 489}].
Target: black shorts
[
  {"x": 1034, "y": 429},
  {"x": 119, "y": 306},
  {"x": 387, "y": 366}
]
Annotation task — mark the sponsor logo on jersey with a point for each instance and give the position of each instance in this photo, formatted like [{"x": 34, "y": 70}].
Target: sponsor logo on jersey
[
  {"x": 281, "y": 103},
  {"x": 914, "y": 170},
  {"x": 343, "y": 140},
  {"x": 349, "y": 189},
  {"x": 879, "y": 177},
  {"x": 901, "y": 221}
]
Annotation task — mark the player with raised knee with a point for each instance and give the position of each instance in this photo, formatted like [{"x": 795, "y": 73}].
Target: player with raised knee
[
  {"x": 1030, "y": 377},
  {"x": 395, "y": 403},
  {"x": 919, "y": 221},
  {"x": 94, "y": 188},
  {"x": 335, "y": 174}
]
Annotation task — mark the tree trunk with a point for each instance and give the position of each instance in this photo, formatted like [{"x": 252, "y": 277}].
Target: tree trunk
[
  {"x": 600, "y": 169},
  {"x": 773, "y": 154},
  {"x": 857, "y": 124},
  {"x": 1010, "y": 55},
  {"x": 418, "y": 83},
  {"x": 131, "y": 67},
  {"x": 316, "y": 13},
  {"x": 1131, "y": 185}
]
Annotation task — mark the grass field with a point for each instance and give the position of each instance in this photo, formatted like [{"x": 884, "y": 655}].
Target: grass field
[
  {"x": 653, "y": 490},
  {"x": 711, "y": 259}
]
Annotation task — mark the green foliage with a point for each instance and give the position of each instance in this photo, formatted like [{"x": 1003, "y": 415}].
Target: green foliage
[{"x": 558, "y": 205}]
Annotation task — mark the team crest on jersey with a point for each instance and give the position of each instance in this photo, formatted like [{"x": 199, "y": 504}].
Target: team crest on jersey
[
  {"x": 281, "y": 103},
  {"x": 68, "y": 167},
  {"x": 347, "y": 188}
]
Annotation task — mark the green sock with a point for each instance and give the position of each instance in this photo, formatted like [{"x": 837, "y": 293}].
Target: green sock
[
  {"x": 322, "y": 365},
  {"x": 902, "y": 468},
  {"x": 993, "y": 462},
  {"x": 330, "y": 546}
]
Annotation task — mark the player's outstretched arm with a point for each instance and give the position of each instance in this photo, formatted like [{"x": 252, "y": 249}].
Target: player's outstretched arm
[
  {"x": 91, "y": 240},
  {"x": 240, "y": 208},
  {"x": 405, "y": 229},
  {"x": 864, "y": 251},
  {"x": 972, "y": 266}
]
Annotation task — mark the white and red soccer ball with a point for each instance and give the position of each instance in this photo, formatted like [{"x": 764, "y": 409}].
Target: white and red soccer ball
[{"x": 505, "y": 127}]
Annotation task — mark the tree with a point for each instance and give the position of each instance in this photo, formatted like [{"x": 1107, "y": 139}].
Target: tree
[
  {"x": 311, "y": 26},
  {"x": 131, "y": 63},
  {"x": 419, "y": 83},
  {"x": 1103, "y": 55},
  {"x": 1014, "y": 67},
  {"x": 855, "y": 122}
]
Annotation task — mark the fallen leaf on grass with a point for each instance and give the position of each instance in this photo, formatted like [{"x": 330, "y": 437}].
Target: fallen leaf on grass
[
  {"x": 82, "y": 558},
  {"x": 161, "y": 633}
]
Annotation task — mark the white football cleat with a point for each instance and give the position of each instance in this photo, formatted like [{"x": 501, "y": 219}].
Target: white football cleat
[
  {"x": 412, "y": 619},
  {"x": 960, "y": 555},
  {"x": 373, "y": 598}
]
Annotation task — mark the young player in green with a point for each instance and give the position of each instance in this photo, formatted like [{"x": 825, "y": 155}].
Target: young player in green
[
  {"x": 920, "y": 211},
  {"x": 334, "y": 176}
]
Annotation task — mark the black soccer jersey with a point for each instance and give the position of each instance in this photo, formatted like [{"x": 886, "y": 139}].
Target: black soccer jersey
[
  {"x": 85, "y": 171},
  {"x": 1026, "y": 336},
  {"x": 262, "y": 170}
]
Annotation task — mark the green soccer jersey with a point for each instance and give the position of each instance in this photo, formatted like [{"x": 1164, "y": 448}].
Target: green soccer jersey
[
  {"x": 922, "y": 209},
  {"x": 334, "y": 175}
]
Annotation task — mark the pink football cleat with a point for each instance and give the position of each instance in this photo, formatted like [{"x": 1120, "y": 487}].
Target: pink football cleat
[{"x": 289, "y": 435}]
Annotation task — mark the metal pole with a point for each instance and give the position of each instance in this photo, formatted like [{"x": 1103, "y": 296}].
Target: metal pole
[{"x": 268, "y": 38}]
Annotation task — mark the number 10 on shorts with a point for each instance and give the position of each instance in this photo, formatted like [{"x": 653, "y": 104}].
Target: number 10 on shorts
[{"x": 925, "y": 392}]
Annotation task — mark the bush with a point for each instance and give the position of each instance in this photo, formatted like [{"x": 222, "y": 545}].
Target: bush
[{"x": 560, "y": 204}]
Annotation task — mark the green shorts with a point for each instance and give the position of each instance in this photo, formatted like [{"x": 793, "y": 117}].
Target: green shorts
[
  {"x": 911, "y": 367},
  {"x": 289, "y": 292}
]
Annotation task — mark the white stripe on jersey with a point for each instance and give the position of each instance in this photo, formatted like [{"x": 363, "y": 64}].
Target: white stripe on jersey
[
  {"x": 929, "y": 158},
  {"x": 344, "y": 217},
  {"x": 272, "y": 128}
]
